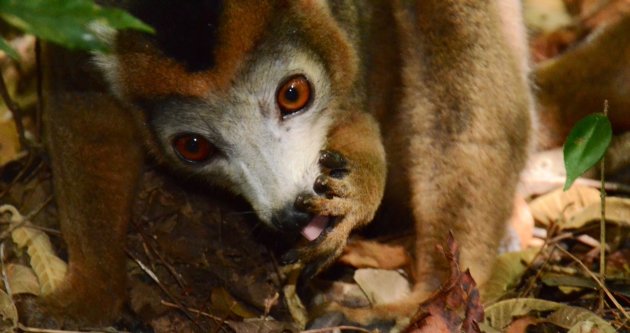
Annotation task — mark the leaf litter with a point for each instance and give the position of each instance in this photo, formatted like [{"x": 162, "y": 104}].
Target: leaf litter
[{"x": 217, "y": 264}]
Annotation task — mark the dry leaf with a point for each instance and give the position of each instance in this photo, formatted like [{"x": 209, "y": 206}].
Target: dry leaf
[
  {"x": 22, "y": 280},
  {"x": 296, "y": 308},
  {"x": 370, "y": 254},
  {"x": 224, "y": 302},
  {"x": 570, "y": 317},
  {"x": 382, "y": 286},
  {"x": 10, "y": 143},
  {"x": 49, "y": 268},
  {"x": 258, "y": 325},
  {"x": 456, "y": 307},
  {"x": 348, "y": 294},
  {"x": 500, "y": 315},
  {"x": 561, "y": 206},
  {"x": 8, "y": 313},
  {"x": 617, "y": 211},
  {"x": 545, "y": 15},
  {"x": 507, "y": 273},
  {"x": 585, "y": 327}
]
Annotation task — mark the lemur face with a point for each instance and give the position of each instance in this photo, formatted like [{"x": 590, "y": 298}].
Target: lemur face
[{"x": 251, "y": 115}]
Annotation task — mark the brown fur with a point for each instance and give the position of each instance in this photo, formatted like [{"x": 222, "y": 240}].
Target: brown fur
[
  {"x": 430, "y": 106},
  {"x": 94, "y": 146},
  {"x": 327, "y": 38},
  {"x": 146, "y": 73},
  {"x": 458, "y": 140},
  {"x": 577, "y": 82}
]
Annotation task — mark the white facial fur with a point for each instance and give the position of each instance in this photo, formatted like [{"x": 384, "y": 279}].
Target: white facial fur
[
  {"x": 274, "y": 159},
  {"x": 263, "y": 157}
]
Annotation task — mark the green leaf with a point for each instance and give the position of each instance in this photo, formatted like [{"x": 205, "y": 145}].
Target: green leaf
[
  {"x": 586, "y": 145},
  {"x": 10, "y": 51},
  {"x": 71, "y": 23}
]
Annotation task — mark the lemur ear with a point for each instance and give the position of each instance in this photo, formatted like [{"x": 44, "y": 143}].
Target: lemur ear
[{"x": 186, "y": 31}]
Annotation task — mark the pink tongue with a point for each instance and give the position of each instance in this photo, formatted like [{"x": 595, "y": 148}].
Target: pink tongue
[{"x": 315, "y": 227}]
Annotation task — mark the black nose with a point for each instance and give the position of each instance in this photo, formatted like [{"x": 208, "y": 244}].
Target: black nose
[{"x": 290, "y": 219}]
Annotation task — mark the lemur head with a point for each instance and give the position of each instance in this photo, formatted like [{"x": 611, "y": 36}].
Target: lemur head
[{"x": 241, "y": 93}]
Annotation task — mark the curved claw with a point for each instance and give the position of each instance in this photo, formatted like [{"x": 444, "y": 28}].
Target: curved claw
[
  {"x": 332, "y": 160},
  {"x": 291, "y": 257}
]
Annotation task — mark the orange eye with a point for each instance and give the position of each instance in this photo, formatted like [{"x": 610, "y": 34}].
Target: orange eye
[
  {"x": 293, "y": 94},
  {"x": 193, "y": 148}
]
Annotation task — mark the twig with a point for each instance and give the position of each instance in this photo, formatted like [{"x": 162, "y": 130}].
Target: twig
[
  {"x": 23, "y": 220},
  {"x": 18, "y": 176},
  {"x": 40, "y": 88},
  {"x": 220, "y": 321},
  {"x": 155, "y": 279},
  {"x": 5, "y": 276},
  {"x": 150, "y": 250},
  {"x": 597, "y": 280},
  {"x": 539, "y": 271},
  {"x": 602, "y": 225},
  {"x": 45, "y": 330},
  {"x": 340, "y": 328},
  {"x": 195, "y": 311}
]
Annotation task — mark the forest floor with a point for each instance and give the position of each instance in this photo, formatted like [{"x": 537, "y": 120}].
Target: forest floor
[{"x": 199, "y": 261}]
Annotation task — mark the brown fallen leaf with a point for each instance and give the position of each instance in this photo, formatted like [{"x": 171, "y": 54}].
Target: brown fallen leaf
[
  {"x": 456, "y": 307},
  {"x": 617, "y": 212},
  {"x": 8, "y": 313},
  {"x": 561, "y": 206},
  {"x": 258, "y": 325},
  {"x": 501, "y": 315},
  {"x": 370, "y": 254},
  {"x": 382, "y": 286},
  {"x": 226, "y": 304},
  {"x": 22, "y": 280},
  {"x": 9, "y": 145},
  {"x": 48, "y": 267},
  {"x": 545, "y": 15}
]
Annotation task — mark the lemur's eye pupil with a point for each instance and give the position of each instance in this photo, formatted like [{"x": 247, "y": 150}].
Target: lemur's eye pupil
[
  {"x": 193, "y": 148},
  {"x": 192, "y": 145},
  {"x": 293, "y": 94}
]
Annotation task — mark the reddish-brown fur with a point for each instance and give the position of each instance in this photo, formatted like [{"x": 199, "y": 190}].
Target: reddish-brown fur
[
  {"x": 146, "y": 73},
  {"x": 444, "y": 87}
]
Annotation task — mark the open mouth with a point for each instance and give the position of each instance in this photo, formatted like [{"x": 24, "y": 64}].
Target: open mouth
[{"x": 315, "y": 227}]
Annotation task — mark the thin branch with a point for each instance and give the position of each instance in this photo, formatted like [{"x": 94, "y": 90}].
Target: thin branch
[
  {"x": 340, "y": 328},
  {"x": 45, "y": 330},
  {"x": 40, "y": 94},
  {"x": 602, "y": 224},
  {"x": 597, "y": 280},
  {"x": 155, "y": 279}
]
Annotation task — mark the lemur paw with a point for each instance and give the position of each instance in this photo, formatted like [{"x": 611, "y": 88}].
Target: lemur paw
[{"x": 338, "y": 206}]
